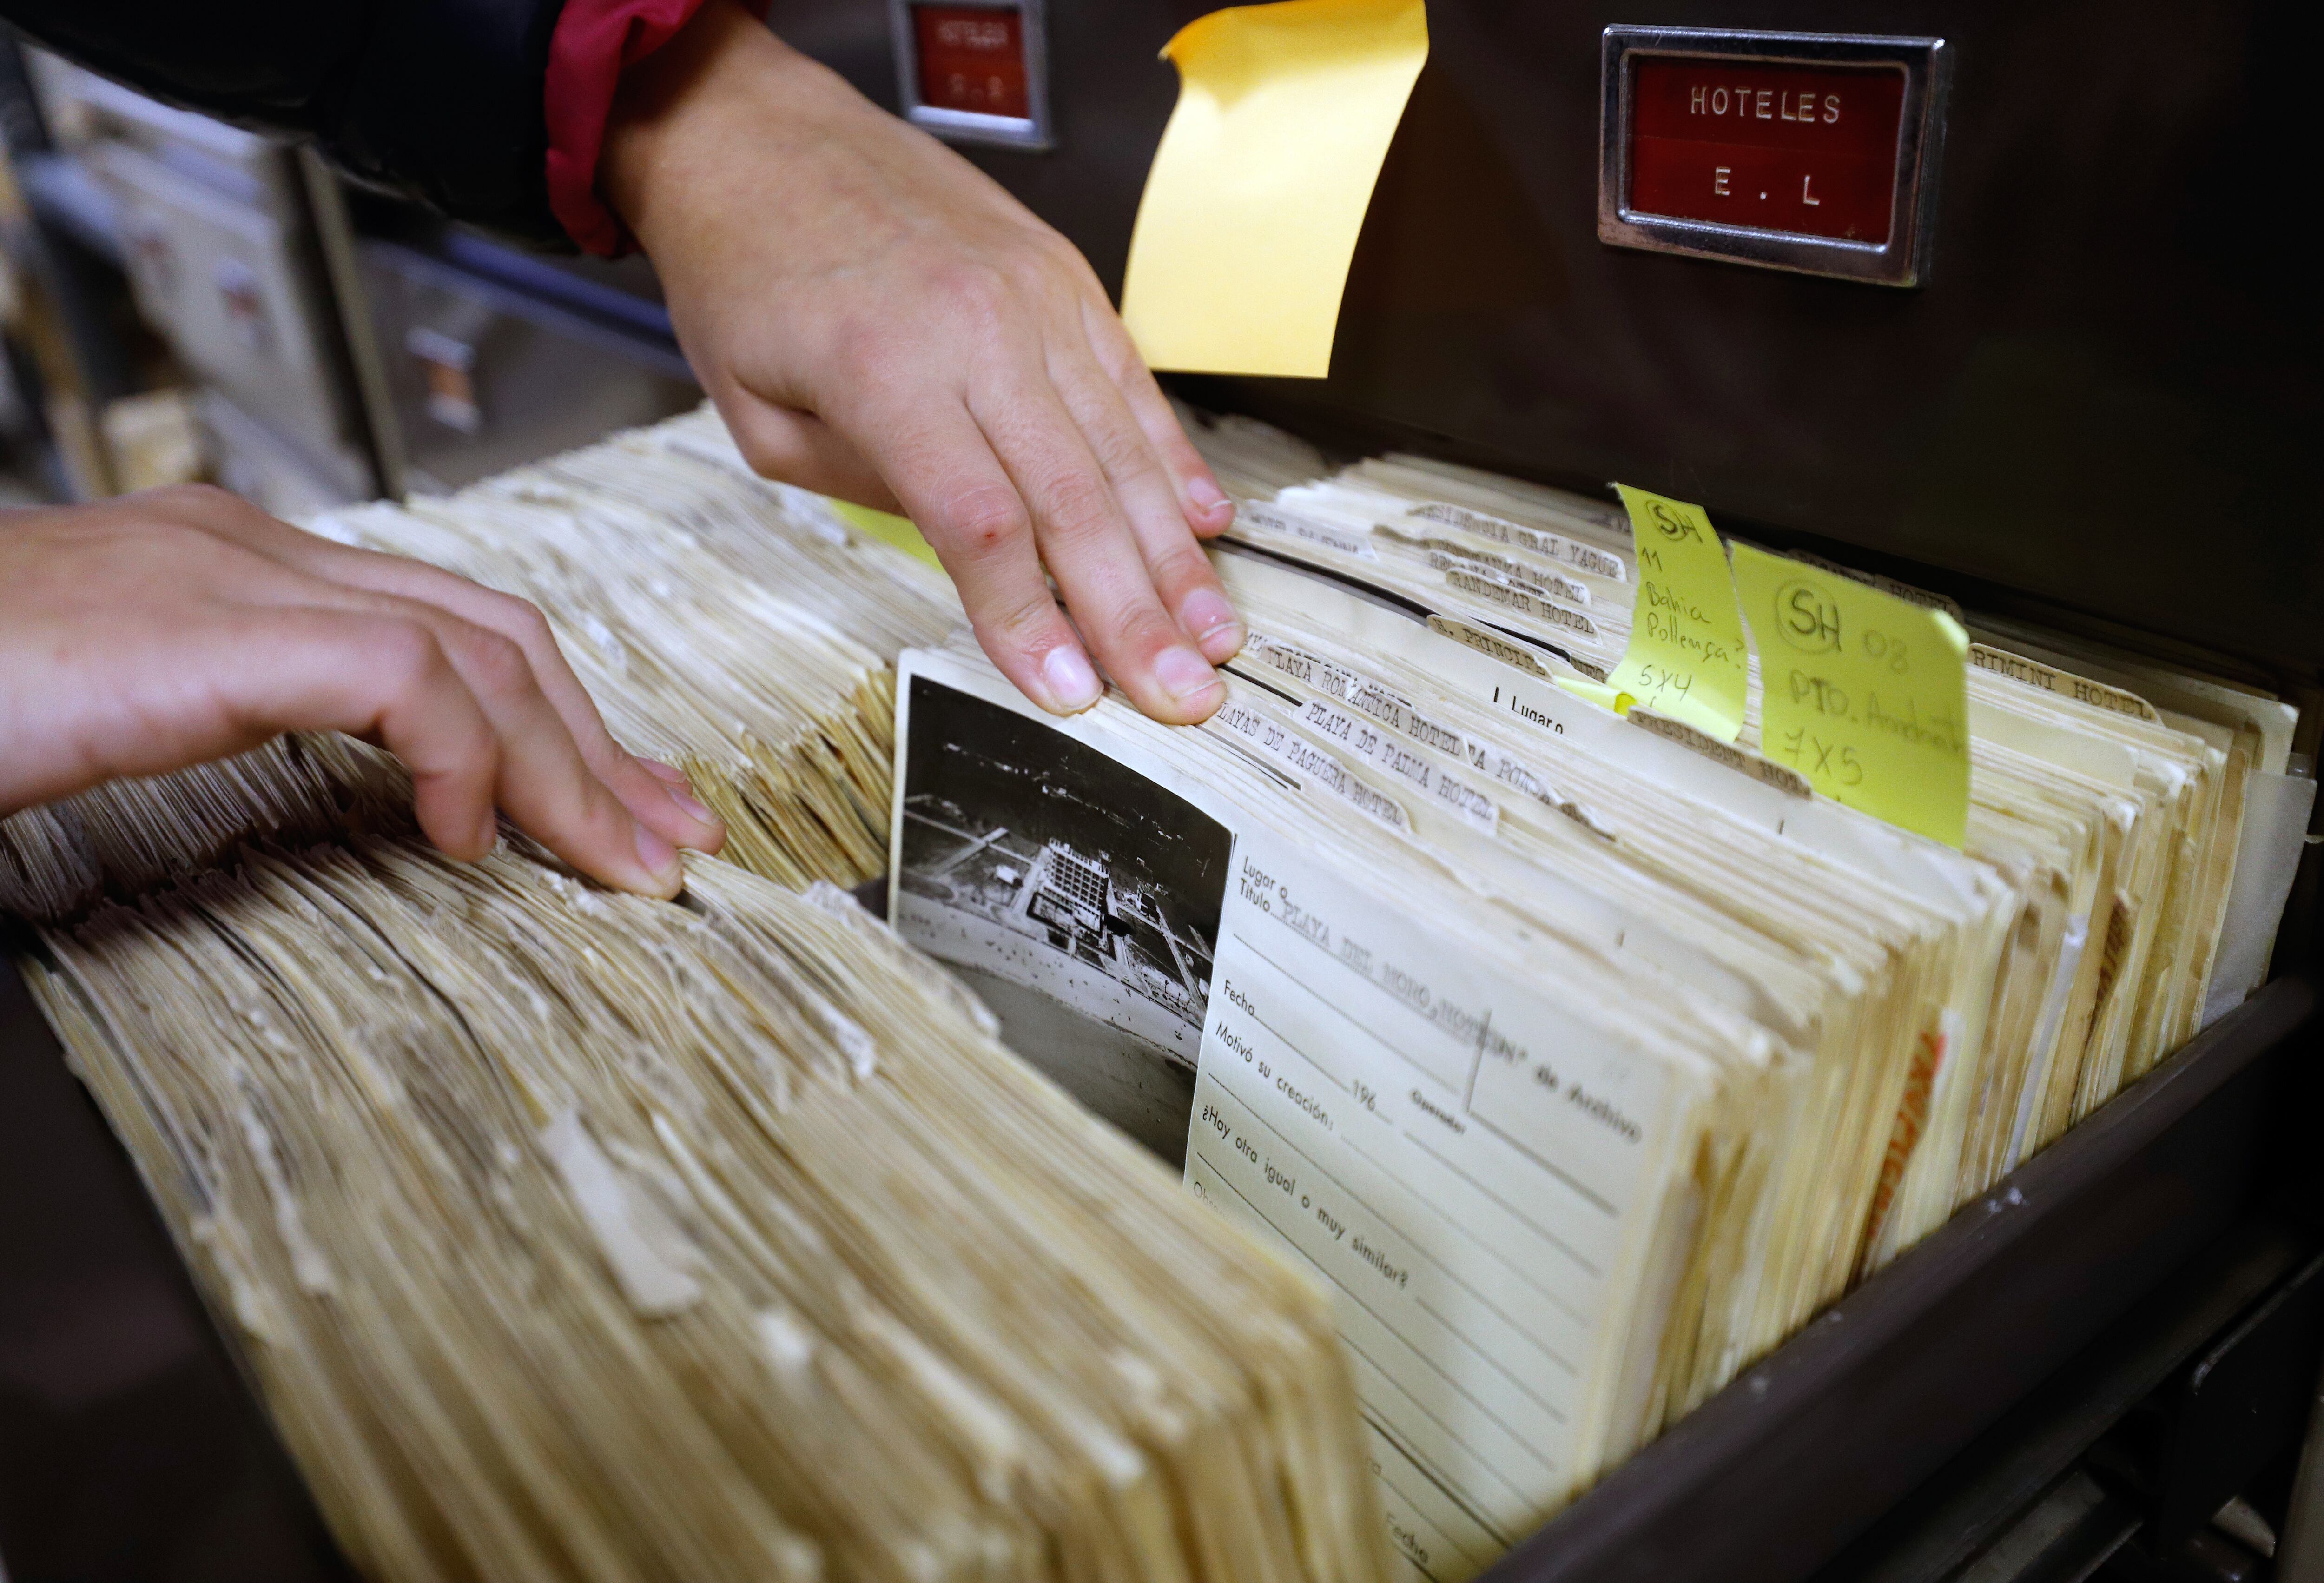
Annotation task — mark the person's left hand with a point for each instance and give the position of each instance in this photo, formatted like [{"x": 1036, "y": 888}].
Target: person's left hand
[{"x": 145, "y": 633}]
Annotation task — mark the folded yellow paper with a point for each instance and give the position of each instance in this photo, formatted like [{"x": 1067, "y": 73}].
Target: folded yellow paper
[
  {"x": 885, "y": 526},
  {"x": 1260, "y": 186},
  {"x": 1686, "y": 657},
  {"x": 1603, "y": 694},
  {"x": 1865, "y": 694}
]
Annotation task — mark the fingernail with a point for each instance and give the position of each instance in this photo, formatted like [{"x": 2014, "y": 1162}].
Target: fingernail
[
  {"x": 687, "y": 804},
  {"x": 1072, "y": 683},
  {"x": 659, "y": 858},
  {"x": 1209, "y": 499},
  {"x": 1183, "y": 673},
  {"x": 1217, "y": 630},
  {"x": 667, "y": 774}
]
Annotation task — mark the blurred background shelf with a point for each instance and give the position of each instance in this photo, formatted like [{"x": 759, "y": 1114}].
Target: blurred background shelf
[{"x": 314, "y": 345}]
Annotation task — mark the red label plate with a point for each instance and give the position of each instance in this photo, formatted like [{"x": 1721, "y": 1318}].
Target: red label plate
[
  {"x": 1811, "y": 149},
  {"x": 972, "y": 57}
]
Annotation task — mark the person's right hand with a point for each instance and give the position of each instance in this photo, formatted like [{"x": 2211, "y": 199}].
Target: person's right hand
[
  {"x": 878, "y": 319},
  {"x": 181, "y": 626}
]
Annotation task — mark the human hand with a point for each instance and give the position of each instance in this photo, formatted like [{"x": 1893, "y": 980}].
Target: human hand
[
  {"x": 877, "y": 319},
  {"x": 180, "y": 626}
]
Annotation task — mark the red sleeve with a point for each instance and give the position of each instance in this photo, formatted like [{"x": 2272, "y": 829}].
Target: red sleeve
[{"x": 594, "y": 42}]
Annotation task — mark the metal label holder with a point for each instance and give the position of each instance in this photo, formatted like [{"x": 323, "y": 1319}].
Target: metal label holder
[
  {"x": 1031, "y": 131},
  {"x": 1903, "y": 260}
]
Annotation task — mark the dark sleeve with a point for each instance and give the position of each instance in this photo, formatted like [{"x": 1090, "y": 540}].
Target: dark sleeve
[{"x": 439, "y": 100}]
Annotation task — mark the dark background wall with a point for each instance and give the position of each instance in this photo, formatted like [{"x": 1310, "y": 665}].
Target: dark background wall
[{"x": 2107, "y": 396}]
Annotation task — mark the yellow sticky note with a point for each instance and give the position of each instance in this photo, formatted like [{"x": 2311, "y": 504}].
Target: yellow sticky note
[
  {"x": 1260, "y": 186},
  {"x": 1865, "y": 694},
  {"x": 1604, "y": 695},
  {"x": 887, "y": 527},
  {"x": 1686, "y": 657}
]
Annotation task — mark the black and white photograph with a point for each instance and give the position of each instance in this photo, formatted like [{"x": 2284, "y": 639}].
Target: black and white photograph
[{"x": 1078, "y": 899}]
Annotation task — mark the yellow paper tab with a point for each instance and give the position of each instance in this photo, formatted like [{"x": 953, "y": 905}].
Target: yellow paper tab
[
  {"x": 1865, "y": 694},
  {"x": 1604, "y": 695},
  {"x": 1686, "y": 657},
  {"x": 1260, "y": 186},
  {"x": 887, "y": 527}
]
